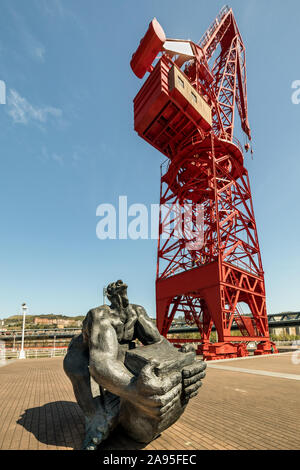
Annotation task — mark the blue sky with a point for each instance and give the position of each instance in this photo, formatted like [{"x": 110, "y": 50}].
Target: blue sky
[{"x": 67, "y": 145}]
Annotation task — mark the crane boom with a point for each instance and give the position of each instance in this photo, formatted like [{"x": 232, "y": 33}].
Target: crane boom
[{"x": 229, "y": 70}]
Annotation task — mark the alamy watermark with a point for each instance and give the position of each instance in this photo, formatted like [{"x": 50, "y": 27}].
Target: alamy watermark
[
  {"x": 2, "y": 92},
  {"x": 137, "y": 222},
  {"x": 296, "y": 93},
  {"x": 296, "y": 354}
]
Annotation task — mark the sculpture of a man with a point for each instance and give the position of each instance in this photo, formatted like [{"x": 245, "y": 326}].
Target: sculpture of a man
[{"x": 99, "y": 352}]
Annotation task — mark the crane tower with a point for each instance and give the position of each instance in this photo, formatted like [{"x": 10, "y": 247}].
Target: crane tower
[{"x": 209, "y": 266}]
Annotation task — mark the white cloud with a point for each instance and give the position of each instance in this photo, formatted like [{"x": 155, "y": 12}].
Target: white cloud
[
  {"x": 34, "y": 48},
  {"x": 39, "y": 52},
  {"x": 48, "y": 156},
  {"x": 53, "y": 8},
  {"x": 69, "y": 159},
  {"x": 75, "y": 158},
  {"x": 22, "y": 112},
  {"x": 58, "y": 9},
  {"x": 57, "y": 158}
]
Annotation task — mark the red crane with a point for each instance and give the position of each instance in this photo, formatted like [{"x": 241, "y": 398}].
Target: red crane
[{"x": 209, "y": 265}]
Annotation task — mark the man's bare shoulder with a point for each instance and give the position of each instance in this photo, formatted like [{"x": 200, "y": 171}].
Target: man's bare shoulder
[
  {"x": 139, "y": 310},
  {"x": 98, "y": 315}
]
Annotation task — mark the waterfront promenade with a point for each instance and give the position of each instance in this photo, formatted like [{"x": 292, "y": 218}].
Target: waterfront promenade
[{"x": 244, "y": 404}]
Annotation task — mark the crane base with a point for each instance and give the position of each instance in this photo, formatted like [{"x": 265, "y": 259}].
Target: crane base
[
  {"x": 218, "y": 351},
  {"x": 266, "y": 348}
]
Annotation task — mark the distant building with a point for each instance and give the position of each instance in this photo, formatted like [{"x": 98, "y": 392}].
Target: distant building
[
  {"x": 58, "y": 322},
  {"x": 42, "y": 321},
  {"x": 2, "y": 328}
]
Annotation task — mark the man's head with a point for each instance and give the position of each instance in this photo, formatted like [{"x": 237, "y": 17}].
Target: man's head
[{"x": 117, "y": 294}]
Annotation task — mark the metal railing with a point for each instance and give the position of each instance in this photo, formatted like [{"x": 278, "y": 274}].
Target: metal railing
[
  {"x": 8, "y": 354},
  {"x": 292, "y": 320},
  {"x": 41, "y": 332}
]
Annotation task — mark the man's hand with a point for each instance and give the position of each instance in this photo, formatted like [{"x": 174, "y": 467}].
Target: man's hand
[
  {"x": 156, "y": 395},
  {"x": 191, "y": 380}
]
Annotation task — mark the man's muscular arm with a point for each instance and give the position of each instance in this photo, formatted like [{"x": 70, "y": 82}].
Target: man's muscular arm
[
  {"x": 110, "y": 373},
  {"x": 146, "y": 331},
  {"x": 104, "y": 365}
]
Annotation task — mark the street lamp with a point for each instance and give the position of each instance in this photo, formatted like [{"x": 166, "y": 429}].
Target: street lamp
[
  {"x": 53, "y": 352},
  {"x": 22, "y": 354},
  {"x": 104, "y": 294}
]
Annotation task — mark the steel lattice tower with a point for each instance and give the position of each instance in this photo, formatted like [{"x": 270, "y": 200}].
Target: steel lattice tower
[{"x": 186, "y": 109}]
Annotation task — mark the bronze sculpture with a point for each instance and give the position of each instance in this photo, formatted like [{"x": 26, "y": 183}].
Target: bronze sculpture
[{"x": 143, "y": 388}]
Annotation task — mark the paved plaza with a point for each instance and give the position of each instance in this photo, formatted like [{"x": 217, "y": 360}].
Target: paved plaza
[{"x": 244, "y": 404}]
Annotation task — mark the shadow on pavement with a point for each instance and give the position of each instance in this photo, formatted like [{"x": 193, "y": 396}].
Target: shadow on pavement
[{"x": 61, "y": 424}]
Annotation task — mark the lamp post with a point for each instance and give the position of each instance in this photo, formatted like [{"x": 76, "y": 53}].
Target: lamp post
[
  {"x": 53, "y": 352},
  {"x": 104, "y": 294},
  {"x": 22, "y": 354}
]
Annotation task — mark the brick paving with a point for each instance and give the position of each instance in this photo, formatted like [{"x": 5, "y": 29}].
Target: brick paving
[
  {"x": 233, "y": 410},
  {"x": 282, "y": 363}
]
